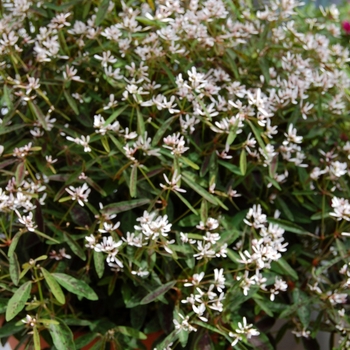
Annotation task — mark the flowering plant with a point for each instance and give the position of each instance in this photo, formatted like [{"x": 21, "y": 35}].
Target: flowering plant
[{"x": 173, "y": 165}]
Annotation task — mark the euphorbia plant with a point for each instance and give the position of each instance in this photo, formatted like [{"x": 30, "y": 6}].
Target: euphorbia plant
[{"x": 173, "y": 165}]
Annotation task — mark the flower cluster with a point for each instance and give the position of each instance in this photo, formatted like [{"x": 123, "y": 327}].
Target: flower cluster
[{"x": 217, "y": 131}]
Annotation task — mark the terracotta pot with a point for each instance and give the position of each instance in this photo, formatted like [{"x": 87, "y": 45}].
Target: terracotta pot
[{"x": 151, "y": 338}]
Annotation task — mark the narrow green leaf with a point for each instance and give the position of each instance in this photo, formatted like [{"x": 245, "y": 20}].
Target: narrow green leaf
[
  {"x": 62, "y": 336},
  {"x": 285, "y": 209},
  {"x": 133, "y": 181},
  {"x": 319, "y": 216},
  {"x": 7, "y": 98},
  {"x": 283, "y": 264},
  {"x": 20, "y": 173},
  {"x": 74, "y": 245},
  {"x": 75, "y": 286},
  {"x": 289, "y": 226},
  {"x": 71, "y": 102},
  {"x": 14, "y": 269},
  {"x": 201, "y": 191},
  {"x": 105, "y": 144},
  {"x": 161, "y": 131},
  {"x": 257, "y": 135},
  {"x": 115, "y": 115},
  {"x": 130, "y": 332},
  {"x": 120, "y": 207},
  {"x": 157, "y": 292},
  {"x": 14, "y": 243},
  {"x": 231, "y": 137},
  {"x": 243, "y": 162},
  {"x": 186, "y": 202},
  {"x": 204, "y": 210},
  {"x": 52, "y": 240},
  {"x": 102, "y": 11},
  {"x": 273, "y": 182},
  {"x": 8, "y": 129},
  {"x": 233, "y": 168},
  {"x": 140, "y": 123},
  {"x": 167, "y": 341},
  {"x": 99, "y": 262},
  {"x": 54, "y": 286},
  {"x": 327, "y": 265},
  {"x": 262, "y": 305},
  {"x": 189, "y": 163},
  {"x": 117, "y": 143},
  {"x": 18, "y": 300},
  {"x": 37, "y": 112},
  {"x": 36, "y": 339}
]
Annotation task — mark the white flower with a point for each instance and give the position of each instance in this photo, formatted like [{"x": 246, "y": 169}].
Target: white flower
[
  {"x": 183, "y": 325},
  {"x": 246, "y": 329},
  {"x": 255, "y": 217},
  {"x": 27, "y": 221},
  {"x": 219, "y": 279},
  {"x": 196, "y": 279},
  {"x": 80, "y": 193},
  {"x": 341, "y": 208}
]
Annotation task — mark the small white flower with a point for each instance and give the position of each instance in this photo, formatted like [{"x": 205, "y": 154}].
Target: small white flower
[{"x": 80, "y": 193}]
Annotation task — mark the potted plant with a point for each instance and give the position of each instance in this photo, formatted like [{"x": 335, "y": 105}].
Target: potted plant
[{"x": 175, "y": 168}]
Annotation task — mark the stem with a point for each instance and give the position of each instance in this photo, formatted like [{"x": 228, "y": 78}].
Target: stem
[{"x": 65, "y": 215}]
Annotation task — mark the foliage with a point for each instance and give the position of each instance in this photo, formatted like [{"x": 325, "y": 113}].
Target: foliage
[{"x": 173, "y": 165}]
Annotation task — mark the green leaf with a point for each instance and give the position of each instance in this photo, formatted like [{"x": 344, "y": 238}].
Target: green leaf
[
  {"x": 7, "y": 98},
  {"x": 189, "y": 163},
  {"x": 256, "y": 133},
  {"x": 36, "y": 339},
  {"x": 75, "y": 286},
  {"x": 233, "y": 168},
  {"x": 167, "y": 341},
  {"x": 231, "y": 137},
  {"x": 14, "y": 242},
  {"x": 200, "y": 190},
  {"x": 186, "y": 202},
  {"x": 71, "y": 102},
  {"x": 85, "y": 339},
  {"x": 62, "y": 336},
  {"x": 37, "y": 112},
  {"x": 327, "y": 265},
  {"x": 243, "y": 162},
  {"x": 140, "y": 123},
  {"x": 20, "y": 173},
  {"x": 8, "y": 129},
  {"x": 157, "y": 292},
  {"x": 74, "y": 245},
  {"x": 319, "y": 216},
  {"x": 14, "y": 269},
  {"x": 282, "y": 263},
  {"x": 115, "y": 115},
  {"x": 304, "y": 315},
  {"x": 99, "y": 262},
  {"x": 262, "y": 305},
  {"x": 130, "y": 332},
  {"x": 133, "y": 181},
  {"x": 52, "y": 240},
  {"x": 18, "y": 300},
  {"x": 120, "y": 207},
  {"x": 289, "y": 226},
  {"x": 285, "y": 209},
  {"x": 54, "y": 286},
  {"x": 102, "y": 11},
  {"x": 10, "y": 328},
  {"x": 161, "y": 131}
]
